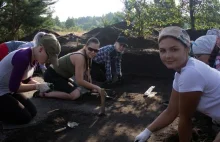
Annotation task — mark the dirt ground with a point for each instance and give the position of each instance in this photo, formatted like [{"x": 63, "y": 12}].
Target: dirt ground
[{"x": 126, "y": 115}]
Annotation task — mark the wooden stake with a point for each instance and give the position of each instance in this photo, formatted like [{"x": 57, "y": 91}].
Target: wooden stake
[{"x": 102, "y": 109}]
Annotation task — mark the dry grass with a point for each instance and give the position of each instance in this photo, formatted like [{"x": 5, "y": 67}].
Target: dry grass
[{"x": 68, "y": 32}]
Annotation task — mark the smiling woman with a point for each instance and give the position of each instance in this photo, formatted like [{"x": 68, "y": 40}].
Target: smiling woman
[
  {"x": 75, "y": 65},
  {"x": 195, "y": 86}
]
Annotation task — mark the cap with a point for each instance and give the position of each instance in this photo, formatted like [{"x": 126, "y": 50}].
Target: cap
[
  {"x": 37, "y": 38},
  {"x": 204, "y": 44},
  {"x": 122, "y": 40},
  {"x": 52, "y": 48},
  {"x": 176, "y": 32},
  {"x": 213, "y": 32}
]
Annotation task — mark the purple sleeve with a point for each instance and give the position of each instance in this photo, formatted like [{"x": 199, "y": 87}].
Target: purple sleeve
[
  {"x": 20, "y": 62},
  {"x": 27, "y": 80}
]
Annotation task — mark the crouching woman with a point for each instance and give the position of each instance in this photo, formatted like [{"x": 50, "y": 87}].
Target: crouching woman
[
  {"x": 195, "y": 86},
  {"x": 16, "y": 70},
  {"x": 72, "y": 65}
]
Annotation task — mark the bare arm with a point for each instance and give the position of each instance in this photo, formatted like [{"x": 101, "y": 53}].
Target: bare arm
[
  {"x": 32, "y": 81},
  {"x": 188, "y": 104},
  {"x": 168, "y": 115},
  {"x": 79, "y": 63},
  {"x": 89, "y": 76},
  {"x": 29, "y": 86},
  {"x": 26, "y": 87}
]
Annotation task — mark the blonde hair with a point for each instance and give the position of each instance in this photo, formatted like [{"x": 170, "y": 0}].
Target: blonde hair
[{"x": 37, "y": 38}]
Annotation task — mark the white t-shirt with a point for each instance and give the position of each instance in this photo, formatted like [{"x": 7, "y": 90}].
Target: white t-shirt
[
  {"x": 213, "y": 32},
  {"x": 198, "y": 76}
]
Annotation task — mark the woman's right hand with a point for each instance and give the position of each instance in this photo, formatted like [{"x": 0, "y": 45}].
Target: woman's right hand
[
  {"x": 43, "y": 87},
  {"x": 143, "y": 136},
  {"x": 98, "y": 89}
]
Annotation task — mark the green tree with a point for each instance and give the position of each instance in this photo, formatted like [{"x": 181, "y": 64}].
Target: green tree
[
  {"x": 69, "y": 23},
  {"x": 203, "y": 14},
  {"x": 145, "y": 16},
  {"x": 19, "y": 16},
  {"x": 57, "y": 21},
  {"x": 207, "y": 14}
]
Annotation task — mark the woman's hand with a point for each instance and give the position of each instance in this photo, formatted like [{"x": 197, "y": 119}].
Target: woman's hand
[
  {"x": 143, "y": 136},
  {"x": 94, "y": 91},
  {"x": 43, "y": 87},
  {"x": 97, "y": 89}
]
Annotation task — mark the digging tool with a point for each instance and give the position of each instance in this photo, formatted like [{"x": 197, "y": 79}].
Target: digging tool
[
  {"x": 107, "y": 96},
  {"x": 102, "y": 109},
  {"x": 69, "y": 125}
]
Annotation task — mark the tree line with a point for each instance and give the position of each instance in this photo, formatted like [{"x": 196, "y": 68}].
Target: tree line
[
  {"x": 89, "y": 22},
  {"x": 21, "y": 17}
]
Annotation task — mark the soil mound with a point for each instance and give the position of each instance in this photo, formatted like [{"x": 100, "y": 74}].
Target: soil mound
[
  {"x": 30, "y": 37},
  {"x": 141, "y": 59}
]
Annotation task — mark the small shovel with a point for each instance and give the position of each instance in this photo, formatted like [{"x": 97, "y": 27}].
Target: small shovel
[
  {"x": 69, "y": 125},
  {"x": 107, "y": 96}
]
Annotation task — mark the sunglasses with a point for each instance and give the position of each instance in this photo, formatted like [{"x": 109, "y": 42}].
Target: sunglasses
[{"x": 94, "y": 50}]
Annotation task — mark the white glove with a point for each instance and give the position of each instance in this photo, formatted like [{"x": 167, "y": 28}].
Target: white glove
[
  {"x": 143, "y": 136},
  {"x": 43, "y": 87}
]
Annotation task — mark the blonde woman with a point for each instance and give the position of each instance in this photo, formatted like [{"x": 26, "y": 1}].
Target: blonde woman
[{"x": 18, "y": 66}]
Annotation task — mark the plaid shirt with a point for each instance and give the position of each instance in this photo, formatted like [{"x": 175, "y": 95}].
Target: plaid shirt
[{"x": 105, "y": 56}]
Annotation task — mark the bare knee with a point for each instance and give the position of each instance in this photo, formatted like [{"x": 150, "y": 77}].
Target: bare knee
[{"x": 75, "y": 94}]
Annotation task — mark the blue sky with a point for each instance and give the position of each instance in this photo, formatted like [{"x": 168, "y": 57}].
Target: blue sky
[{"x": 79, "y": 8}]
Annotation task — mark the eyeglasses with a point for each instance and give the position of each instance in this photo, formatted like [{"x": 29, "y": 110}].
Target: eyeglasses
[{"x": 92, "y": 49}]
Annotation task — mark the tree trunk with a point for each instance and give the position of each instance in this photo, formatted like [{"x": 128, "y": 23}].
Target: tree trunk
[
  {"x": 13, "y": 19},
  {"x": 192, "y": 18}
]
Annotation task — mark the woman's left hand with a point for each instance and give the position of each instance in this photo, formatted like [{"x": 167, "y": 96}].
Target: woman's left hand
[{"x": 94, "y": 91}]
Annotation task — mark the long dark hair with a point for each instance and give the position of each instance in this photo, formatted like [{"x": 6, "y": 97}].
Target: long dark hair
[
  {"x": 89, "y": 41},
  {"x": 213, "y": 55}
]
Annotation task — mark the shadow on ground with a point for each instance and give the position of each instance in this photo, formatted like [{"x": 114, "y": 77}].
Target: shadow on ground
[{"x": 126, "y": 117}]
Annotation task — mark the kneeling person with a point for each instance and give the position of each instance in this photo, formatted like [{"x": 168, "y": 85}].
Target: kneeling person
[
  {"x": 16, "y": 70},
  {"x": 101, "y": 70}
]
